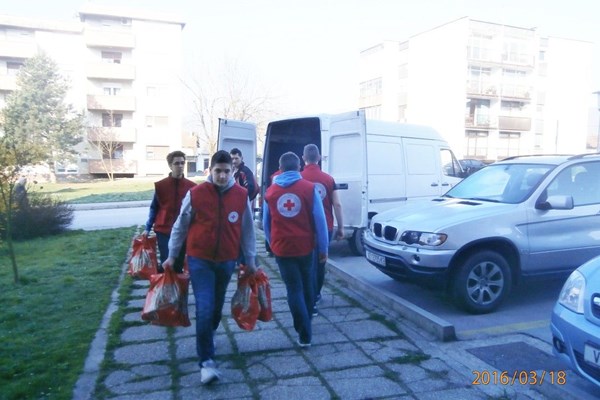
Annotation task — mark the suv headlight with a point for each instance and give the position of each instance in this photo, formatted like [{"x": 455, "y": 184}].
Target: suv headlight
[
  {"x": 571, "y": 295},
  {"x": 423, "y": 238}
]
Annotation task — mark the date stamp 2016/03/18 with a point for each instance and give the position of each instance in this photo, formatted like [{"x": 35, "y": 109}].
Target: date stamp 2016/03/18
[{"x": 519, "y": 377}]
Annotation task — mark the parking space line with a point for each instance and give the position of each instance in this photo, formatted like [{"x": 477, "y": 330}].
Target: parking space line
[{"x": 499, "y": 329}]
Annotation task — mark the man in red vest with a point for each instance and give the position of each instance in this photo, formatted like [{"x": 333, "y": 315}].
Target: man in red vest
[
  {"x": 331, "y": 204},
  {"x": 164, "y": 209},
  {"x": 216, "y": 219},
  {"x": 294, "y": 222}
]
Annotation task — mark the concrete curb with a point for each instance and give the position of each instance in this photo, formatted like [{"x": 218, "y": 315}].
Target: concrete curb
[
  {"x": 439, "y": 327},
  {"x": 86, "y": 383},
  {"x": 108, "y": 205}
]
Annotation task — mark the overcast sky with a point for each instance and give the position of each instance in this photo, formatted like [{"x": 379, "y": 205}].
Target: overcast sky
[{"x": 306, "y": 52}]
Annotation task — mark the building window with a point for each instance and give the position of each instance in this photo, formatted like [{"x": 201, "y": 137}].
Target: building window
[
  {"x": 477, "y": 144},
  {"x": 478, "y": 113},
  {"x": 480, "y": 81},
  {"x": 112, "y": 120},
  {"x": 371, "y": 88},
  {"x": 113, "y": 152},
  {"x": 480, "y": 45},
  {"x": 402, "y": 113},
  {"x": 13, "y": 67},
  {"x": 508, "y": 144},
  {"x": 153, "y": 121},
  {"x": 511, "y": 107},
  {"x": 157, "y": 152},
  {"x": 111, "y": 91},
  {"x": 373, "y": 112},
  {"x": 112, "y": 57}
]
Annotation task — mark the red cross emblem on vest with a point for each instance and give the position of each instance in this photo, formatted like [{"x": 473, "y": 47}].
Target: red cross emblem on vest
[{"x": 289, "y": 205}]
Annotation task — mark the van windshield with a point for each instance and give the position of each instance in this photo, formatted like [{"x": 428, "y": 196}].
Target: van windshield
[{"x": 501, "y": 183}]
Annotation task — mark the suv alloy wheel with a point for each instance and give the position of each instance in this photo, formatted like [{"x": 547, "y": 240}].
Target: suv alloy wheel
[{"x": 482, "y": 282}]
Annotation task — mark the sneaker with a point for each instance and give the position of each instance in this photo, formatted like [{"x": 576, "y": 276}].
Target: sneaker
[
  {"x": 209, "y": 372},
  {"x": 315, "y": 312},
  {"x": 302, "y": 345}
]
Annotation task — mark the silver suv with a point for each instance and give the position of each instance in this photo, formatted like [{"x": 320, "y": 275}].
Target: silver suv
[{"x": 521, "y": 217}]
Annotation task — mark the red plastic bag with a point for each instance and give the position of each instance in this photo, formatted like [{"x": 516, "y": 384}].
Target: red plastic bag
[
  {"x": 244, "y": 303},
  {"x": 143, "y": 262},
  {"x": 167, "y": 299},
  {"x": 264, "y": 295}
]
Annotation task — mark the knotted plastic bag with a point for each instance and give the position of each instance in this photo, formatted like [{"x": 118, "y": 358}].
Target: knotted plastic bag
[
  {"x": 167, "y": 299},
  {"x": 143, "y": 263},
  {"x": 264, "y": 295},
  {"x": 244, "y": 303}
]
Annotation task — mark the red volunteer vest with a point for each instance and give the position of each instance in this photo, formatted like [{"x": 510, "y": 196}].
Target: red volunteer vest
[
  {"x": 170, "y": 193},
  {"x": 292, "y": 225},
  {"x": 325, "y": 184},
  {"x": 216, "y": 229}
]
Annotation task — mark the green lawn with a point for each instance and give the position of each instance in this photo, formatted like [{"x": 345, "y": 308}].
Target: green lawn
[
  {"x": 99, "y": 191},
  {"x": 48, "y": 321}
]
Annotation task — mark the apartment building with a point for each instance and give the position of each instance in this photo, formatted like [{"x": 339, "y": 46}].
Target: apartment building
[
  {"x": 492, "y": 90},
  {"x": 124, "y": 70}
]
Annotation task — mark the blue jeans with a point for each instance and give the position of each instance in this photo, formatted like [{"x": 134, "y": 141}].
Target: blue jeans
[
  {"x": 209, "y": 282},
  {"x": 319, "y": 271},
  {"x": 298, "y": 276},
  {"x": 162, "y": 240}
]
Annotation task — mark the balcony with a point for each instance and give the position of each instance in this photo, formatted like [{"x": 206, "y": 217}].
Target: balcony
[
  {"x": 111, "y": 71},
  {"x": 514, "y": 123},
  {"x": 516, "y": 91},
  {"x": 120, "y": 40},
  {"x": 480, "y": 88},
  {"x": 17, "y": 49},
  {"x": 114, "y": 134},
  {"x": 8, "y": 82},
  {"x": 478, "y": 121},
  {"x": 116, "y": 166},
  {"x": 113, "y": 103}
]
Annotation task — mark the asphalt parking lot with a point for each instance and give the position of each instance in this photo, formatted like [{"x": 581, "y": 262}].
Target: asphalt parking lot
[
  {"x": 516, "y": 337},
  {"x": 527, "y": 310}
]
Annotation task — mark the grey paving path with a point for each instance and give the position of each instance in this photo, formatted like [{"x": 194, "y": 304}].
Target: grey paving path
[{"x": 360, "y": 351}]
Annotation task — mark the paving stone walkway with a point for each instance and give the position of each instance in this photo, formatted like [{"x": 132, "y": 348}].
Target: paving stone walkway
[{"x": 358, "y": 352}]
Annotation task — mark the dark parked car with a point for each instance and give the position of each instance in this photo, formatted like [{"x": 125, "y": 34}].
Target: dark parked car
[{"x": 470, "y": 165}]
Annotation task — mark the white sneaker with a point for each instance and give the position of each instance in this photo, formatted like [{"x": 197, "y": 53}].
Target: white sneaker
[
  {"x": 209, "y": 372},
  {"x": 302, "y": 345}
]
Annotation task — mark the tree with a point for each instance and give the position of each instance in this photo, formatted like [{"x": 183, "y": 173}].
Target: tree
[
  {"x": 37, "y": 127},
  {"x": 231, "y": 95},
  {"x": 104, "y": 140}
]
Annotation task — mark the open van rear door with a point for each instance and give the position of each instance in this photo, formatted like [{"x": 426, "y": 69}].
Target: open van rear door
[
  {"x": 241, "y": 135},
  {"x": 347, "y": 163}
]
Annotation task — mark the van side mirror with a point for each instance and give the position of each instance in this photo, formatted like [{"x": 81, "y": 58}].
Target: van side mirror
[{"x": 558, "y": 202}]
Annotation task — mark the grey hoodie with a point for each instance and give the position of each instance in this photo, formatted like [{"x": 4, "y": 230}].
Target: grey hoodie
[{"x": 186, "y": 215}]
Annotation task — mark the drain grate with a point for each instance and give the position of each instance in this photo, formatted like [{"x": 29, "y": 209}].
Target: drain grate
[{"x": 516, "y": 356}]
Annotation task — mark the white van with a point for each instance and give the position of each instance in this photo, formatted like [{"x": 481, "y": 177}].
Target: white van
[{"x": 376, "y": 165}]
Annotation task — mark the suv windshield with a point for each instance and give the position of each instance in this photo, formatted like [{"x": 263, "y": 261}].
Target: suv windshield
[{"x": 502, "y": 183}]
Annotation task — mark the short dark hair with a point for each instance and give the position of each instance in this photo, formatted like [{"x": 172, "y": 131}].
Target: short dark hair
[
  {"x": 311, "y": 153},
  {"x": 173, "y": 154},
  {"x": 220, "y": 157},
  {"x": 289, "y": 162},
  {"x": 236, "y": 151}
]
